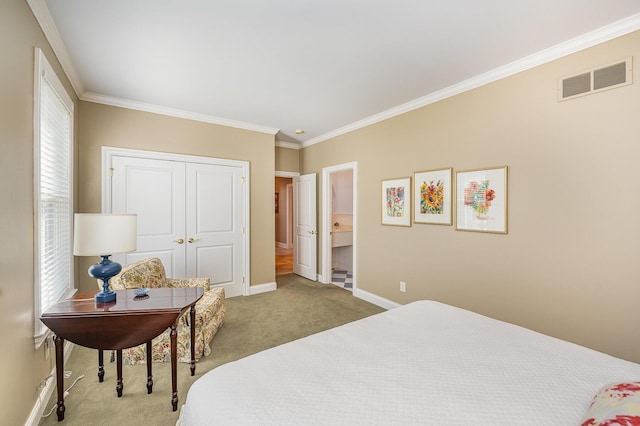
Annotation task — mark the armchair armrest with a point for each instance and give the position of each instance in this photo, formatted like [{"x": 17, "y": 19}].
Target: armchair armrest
[{"x": 189, "y": 282}]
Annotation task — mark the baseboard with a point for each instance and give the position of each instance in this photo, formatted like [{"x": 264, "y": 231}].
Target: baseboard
[
  {"x": 40, "y": 405},
  {"x": 282, "y": 245},
  {"x": 262, "y": 288},
  {"x": 375, "y": 299},
  {"x": 361, "y": 294}
]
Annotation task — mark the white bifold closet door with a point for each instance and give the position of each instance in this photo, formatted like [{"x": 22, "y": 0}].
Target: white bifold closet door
[{"x": 190, "y": 215}]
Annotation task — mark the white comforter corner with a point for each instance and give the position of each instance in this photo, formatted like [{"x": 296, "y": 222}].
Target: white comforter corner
[{"x": 422, "y": 363}]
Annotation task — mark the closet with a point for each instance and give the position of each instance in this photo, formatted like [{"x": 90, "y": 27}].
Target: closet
[{"x": 192, "y": 213}]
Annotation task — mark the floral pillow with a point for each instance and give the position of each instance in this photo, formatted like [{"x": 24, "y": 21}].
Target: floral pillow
[{"x": 617, "y": 404}]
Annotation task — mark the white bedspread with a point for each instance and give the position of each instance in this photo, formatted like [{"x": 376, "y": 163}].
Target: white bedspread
[{"x": 422, "y": 363}]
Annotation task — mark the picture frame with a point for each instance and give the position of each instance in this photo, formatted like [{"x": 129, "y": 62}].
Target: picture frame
[
  {"x": 432, "y": 197},
  {"x": 481, "y": 200},
  {"x": 396, "y": 201}
]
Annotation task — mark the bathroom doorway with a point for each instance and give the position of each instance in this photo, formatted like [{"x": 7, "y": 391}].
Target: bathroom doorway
[{"x": 339, "y": 185}]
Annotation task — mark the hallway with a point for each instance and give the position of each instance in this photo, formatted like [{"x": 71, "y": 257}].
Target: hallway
[{"x": 284, "y": 261}]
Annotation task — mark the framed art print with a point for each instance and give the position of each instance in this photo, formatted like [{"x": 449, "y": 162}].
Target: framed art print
[
  {"x": 481, "y": 200},
  {"x": 396, "y": 201},
  {"x": 432, "y": 197}
]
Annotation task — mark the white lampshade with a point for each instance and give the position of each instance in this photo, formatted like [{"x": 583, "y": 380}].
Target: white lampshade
[{"x": 104, "y": 234}]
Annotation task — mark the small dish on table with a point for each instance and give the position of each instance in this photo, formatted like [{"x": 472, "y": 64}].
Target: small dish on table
[{"x": 141, "y": 293}]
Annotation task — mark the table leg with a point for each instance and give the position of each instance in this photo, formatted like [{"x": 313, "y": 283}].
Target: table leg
[
  {"x": 174, "y": 368},
  {"x": 149, "y": 375},
  {"x": 119, "y": 384},
  {"x": 100, "y": 366},
  {"x": 59, "y": 341},
  {"x": 193, "y": 339}
]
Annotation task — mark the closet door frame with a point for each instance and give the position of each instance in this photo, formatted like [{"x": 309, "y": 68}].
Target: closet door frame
[{"x": 109, "y": 152}]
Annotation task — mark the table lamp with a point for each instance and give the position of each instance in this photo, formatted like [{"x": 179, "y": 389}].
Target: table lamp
[{"x": 103, "y": 235}]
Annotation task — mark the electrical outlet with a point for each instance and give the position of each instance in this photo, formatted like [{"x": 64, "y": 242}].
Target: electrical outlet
[{"x": 403, "y": 286}]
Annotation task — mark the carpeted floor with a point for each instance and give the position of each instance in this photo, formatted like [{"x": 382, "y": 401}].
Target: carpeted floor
[{"x": 253, "y": 323}]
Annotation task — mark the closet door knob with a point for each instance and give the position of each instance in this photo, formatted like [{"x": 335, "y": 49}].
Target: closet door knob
[
  {"x": 179, "y": 241},
  {"x": 193, "y": 240}
]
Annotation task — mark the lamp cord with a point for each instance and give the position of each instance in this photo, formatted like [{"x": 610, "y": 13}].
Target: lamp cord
[{"x": 67, "y": 374}]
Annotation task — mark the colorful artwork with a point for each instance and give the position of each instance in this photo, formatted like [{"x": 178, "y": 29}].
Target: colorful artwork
[
  {"x": 432, "y": 197},
  {"x": 395, "y": 202},
  {"x": 479, "y": 197}
]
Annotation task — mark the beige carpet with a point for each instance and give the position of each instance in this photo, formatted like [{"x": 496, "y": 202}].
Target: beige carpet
[{"x": 298, "y": 308}]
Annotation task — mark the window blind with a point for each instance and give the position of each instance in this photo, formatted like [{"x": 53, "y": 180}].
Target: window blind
[{"x": 54, "y": 193}]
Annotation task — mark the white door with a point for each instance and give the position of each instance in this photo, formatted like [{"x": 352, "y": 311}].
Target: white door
[
  {"x": 304, "y": 226},
  {"x": 154, "y": 190},
  {"x": 215, "y": 233},
  {"x": 190, "y": 215}
]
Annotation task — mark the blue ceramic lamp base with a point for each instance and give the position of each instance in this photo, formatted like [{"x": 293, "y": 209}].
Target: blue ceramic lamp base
[{"x": 104, "y": 270}]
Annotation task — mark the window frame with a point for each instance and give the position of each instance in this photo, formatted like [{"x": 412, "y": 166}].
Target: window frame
[{"x": 44, "y": 74}]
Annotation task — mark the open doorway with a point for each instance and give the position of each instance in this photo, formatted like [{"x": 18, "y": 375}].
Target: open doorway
[
  {"x": 284, "y": 224},
  {"x": 339, "y": 216}
]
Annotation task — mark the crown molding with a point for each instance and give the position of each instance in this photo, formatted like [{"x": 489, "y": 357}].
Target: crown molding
[
  {"x": 601, "y": 35},
  {"x": 43, "y": 16},
  {"x": 290, "y": 145},
  {"x": 593, "y": 38},
  {"x": 174, "y": 112},
  {"x": 45, "y": 20}
]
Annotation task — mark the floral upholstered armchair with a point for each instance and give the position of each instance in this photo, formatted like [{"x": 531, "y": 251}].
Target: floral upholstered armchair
[{"x": 210, "y": 311}]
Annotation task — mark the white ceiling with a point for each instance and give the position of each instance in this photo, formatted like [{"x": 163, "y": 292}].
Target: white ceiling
[{"x": 323, "y": 66}]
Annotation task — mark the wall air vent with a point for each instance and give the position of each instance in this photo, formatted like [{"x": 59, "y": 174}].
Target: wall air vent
[{"x": 596, "y": 80}]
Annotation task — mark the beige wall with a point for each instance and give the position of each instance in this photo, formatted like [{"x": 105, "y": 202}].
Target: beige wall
[
  {"x": 21, "y": 367},
  {"x": 102, "y": 125},
  {"x": 287, "y": 159},
  {"x": 568, "y": 266}
]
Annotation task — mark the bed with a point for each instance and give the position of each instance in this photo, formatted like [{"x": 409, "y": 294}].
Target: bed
[{"x": 421, "y": 363}]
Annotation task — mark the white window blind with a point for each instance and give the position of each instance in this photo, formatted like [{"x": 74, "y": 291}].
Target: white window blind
[{"x": 53, "y": 124}]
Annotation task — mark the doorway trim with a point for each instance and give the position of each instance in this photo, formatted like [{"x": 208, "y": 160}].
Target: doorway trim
[
  {"x": 289, "y": 205},
  {"x": 326, "y": 220},
  {"x": 289, "y": 213},
  {"x": 286, "y": 174}
]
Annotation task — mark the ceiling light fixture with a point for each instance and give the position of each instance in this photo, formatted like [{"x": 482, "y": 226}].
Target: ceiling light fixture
[{"x": 299, "y": 132}]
